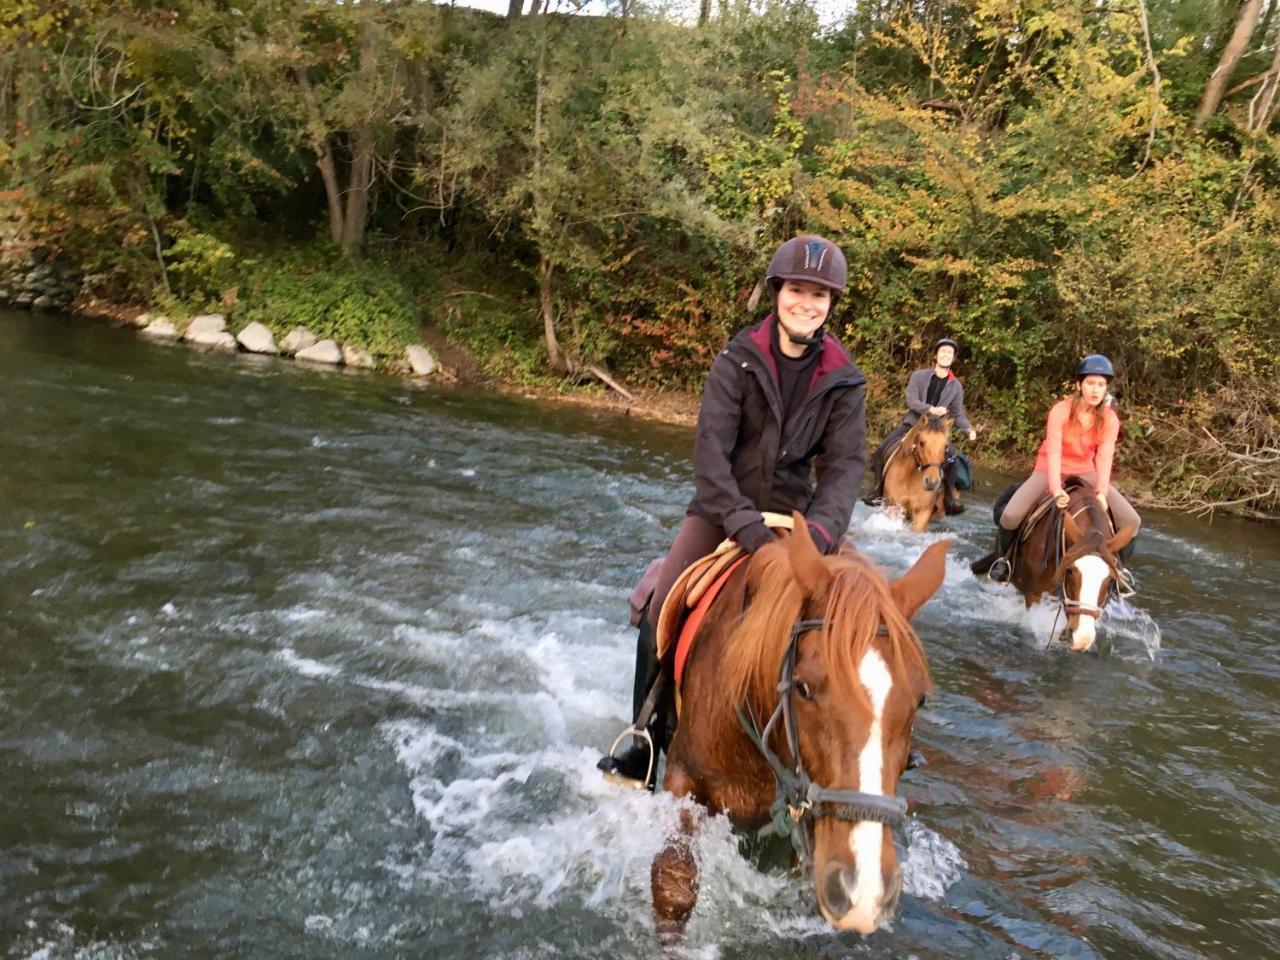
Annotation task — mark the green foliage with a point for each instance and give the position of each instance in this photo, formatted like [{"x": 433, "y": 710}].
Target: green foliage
[
  {"x": 202, "y": 268},
  {"x": 364, "y": 304},
  {"x": 1004, "y": 171}
]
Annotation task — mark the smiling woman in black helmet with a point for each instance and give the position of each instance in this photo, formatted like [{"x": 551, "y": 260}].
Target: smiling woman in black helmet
[{"x": 783, "y": 402}]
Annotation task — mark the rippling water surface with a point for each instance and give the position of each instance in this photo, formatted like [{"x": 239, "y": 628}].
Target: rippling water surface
[{"x": 311, "y": 665}]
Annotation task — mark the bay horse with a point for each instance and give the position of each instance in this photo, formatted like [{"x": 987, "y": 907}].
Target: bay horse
[
  {"x": 821, "y": 647},
  {"x": 1074, "y": 553},
  {"x": 913, "y": 475}
]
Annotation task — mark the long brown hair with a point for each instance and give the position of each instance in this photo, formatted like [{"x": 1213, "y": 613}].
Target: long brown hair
[
  {"x": 1099, "y": 416},
  {"x": 857, "y": 602}
]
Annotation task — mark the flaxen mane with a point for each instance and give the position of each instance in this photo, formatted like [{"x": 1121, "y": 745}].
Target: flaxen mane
[{"x": 856, "y": 604}]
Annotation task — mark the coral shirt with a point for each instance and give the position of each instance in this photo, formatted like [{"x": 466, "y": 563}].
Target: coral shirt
[{"x": 1069, "y": 448}]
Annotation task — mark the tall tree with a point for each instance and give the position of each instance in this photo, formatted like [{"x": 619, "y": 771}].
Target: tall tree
[{"x": 1235, "y": 49}]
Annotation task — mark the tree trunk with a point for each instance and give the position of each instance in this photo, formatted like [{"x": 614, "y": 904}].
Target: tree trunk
[
  {"x": 358, "y": 191},
  {"x": 1235, "y": 49},
  {"x": 514, "y": 8},
  {"x": 704, "y": 12},
  {"x": 1263, "y": 105},
  {"x": 324, "y": 160},
  {"x": 362, "y": 138},
  {"x": 549, "y": 313},
  {"x": 535, "y": 7}
]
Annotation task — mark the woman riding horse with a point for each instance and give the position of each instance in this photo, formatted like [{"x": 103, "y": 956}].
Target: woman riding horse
[
  {"x": 781, "y": 398},
  {"x": 1080, "y": 439}
]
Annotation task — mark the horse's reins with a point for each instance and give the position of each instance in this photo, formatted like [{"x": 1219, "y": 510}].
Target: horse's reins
[{"x": 799, "y": 801}]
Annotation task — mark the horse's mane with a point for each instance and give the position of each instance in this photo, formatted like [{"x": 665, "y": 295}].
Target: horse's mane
[
  {"x": 857, "y": 603},
  {"x": 1094, "y": 529},
  {"x": 928, "y": 423}
]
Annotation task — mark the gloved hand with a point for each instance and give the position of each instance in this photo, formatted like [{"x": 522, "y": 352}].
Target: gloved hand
[{"x": 754, "y": 536}]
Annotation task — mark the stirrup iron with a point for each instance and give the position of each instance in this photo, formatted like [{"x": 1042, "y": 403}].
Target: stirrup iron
[{"x": 614, "y": 777}]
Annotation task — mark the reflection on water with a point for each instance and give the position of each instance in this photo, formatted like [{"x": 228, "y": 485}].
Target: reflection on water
[{"x": 316, "y": 665}]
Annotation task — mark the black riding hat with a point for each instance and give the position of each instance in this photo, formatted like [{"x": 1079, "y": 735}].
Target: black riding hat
[
  {"x": 946, "y": 342},
  {"x": 1095, "y": 365},
  {"x": 815, "y": 259}
]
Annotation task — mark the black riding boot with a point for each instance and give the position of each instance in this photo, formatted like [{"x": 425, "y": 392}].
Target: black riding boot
[
  {"x": 952, "y": 504},
  {"x": 633, "y": 763},
  {"x": 996, "y": 564},
  {"x": 875, "y": 470}
]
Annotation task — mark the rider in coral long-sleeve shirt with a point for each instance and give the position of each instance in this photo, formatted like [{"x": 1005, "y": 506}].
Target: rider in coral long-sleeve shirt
[{"x": 1079, "y": 440}]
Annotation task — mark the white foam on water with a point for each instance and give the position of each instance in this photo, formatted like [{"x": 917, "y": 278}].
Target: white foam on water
[
  {"x": 931, "y": 864},
  {"x": 306, "y": 666},
  {"x": 301, "y": 614},
  {"x": 497, "y": 839},
  {"x": 1130, "y": 625}
]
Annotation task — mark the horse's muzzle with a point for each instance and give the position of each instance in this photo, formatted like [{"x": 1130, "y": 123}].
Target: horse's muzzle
[{"x": 839, "y": 909}]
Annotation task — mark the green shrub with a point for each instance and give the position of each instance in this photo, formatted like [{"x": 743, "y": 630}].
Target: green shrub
[{"x": 363, "y": 304}]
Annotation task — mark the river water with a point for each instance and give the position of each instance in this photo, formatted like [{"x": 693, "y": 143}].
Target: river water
[{"x": 301, "y": 664}]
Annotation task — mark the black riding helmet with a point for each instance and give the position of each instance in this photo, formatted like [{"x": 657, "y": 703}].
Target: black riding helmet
[
  {"x": 814, "y": 259},
  {"x": 1095, "y": 365},
  {"x": 945, "y": 342}
]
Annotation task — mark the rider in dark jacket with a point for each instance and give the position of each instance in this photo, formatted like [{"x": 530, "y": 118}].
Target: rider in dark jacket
[{"x": 783, "y": 406}]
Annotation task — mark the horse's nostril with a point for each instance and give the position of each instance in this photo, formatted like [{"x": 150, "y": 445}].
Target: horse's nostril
[
  {"x": 833, "y": 894},
  {"x": 889, "y": 905}
]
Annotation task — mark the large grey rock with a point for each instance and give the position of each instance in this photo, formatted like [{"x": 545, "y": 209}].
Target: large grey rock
[
  {"x": 141, "y": 320},
  {"x": 299, "y": 338},
  {"x": 326, "y": 351},
  {"x": 161, "y": 328},
  {"x": 44, "y": 302},
  {"x": 205, "y": 323},
  {"x": 218, "y": 340},
  {"x": 23, "y": 299},
  {"x": 355, "y": 357},
  {"x": 421, "y": 361},
  {"x": 257, "y": 339}
]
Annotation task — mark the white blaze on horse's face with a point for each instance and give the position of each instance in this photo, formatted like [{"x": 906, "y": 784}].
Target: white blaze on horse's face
[
  {"x": 866, "y": 839},
  {"x": 1093, "y": 574}
]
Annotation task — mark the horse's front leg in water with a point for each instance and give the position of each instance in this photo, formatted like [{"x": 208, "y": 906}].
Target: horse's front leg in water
[{"x": 674, "y": 874}]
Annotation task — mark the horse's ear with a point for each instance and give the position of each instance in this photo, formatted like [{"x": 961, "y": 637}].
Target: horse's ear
[
  {"x": 914, "y": 588},
  {"x": 806, "y": 562},
  {"x": 1122, "y": 538},
  {"x": 1072, "y": 528}
]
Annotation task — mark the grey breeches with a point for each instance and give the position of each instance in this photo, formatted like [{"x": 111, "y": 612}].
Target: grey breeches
[{"x": 1037, "y": 485}]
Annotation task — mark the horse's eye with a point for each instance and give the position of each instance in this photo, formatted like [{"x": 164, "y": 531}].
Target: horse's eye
[{"x": 804, "y": 690}]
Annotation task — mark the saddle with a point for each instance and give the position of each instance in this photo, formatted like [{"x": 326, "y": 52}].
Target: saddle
[
  {"x": 692, "y": 595},
  {"x": 1056, "y": 544}
]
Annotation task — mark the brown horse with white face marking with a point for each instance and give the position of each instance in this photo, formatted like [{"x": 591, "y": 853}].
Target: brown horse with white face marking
[
  {"x": 1084, "y": 572},
  {"x": 913, "y": 477},
  {"x": 821, "y": 648}
]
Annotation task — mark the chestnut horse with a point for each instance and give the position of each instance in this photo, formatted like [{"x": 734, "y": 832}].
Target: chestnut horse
[
  {"x": 821, "y": 648},
  {"x": 1072, "y": 552},
  {"x": 913, "y": 475}
]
